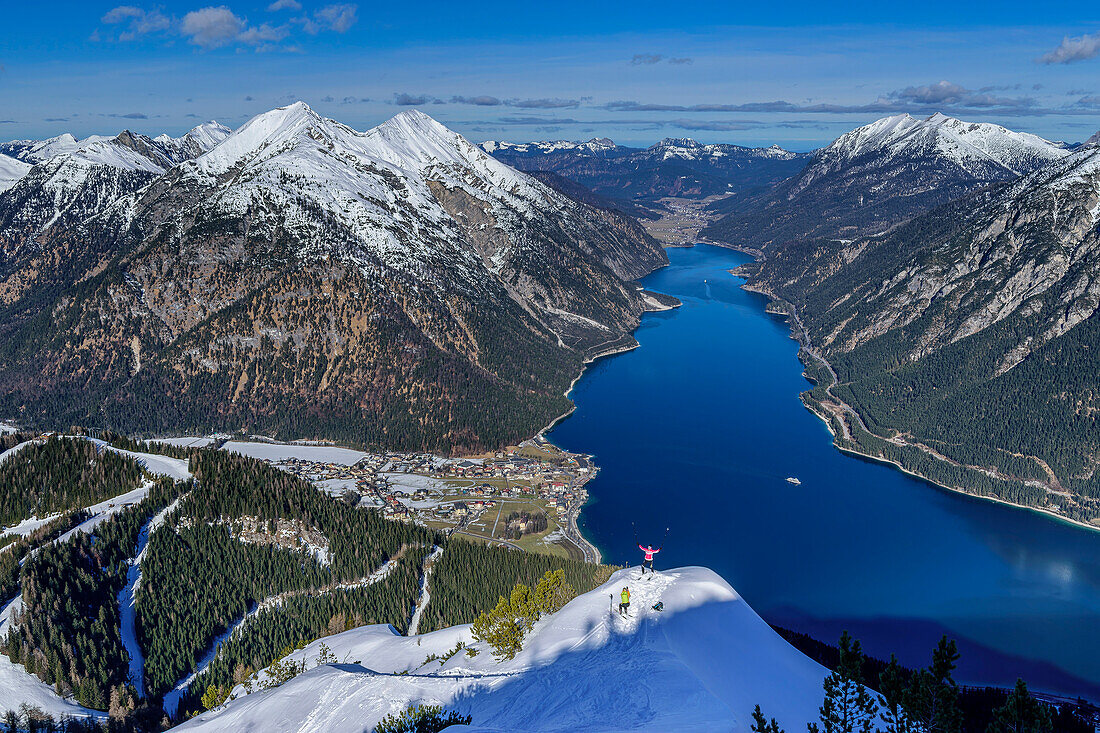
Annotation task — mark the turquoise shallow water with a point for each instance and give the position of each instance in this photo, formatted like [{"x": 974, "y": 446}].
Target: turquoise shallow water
[{"x": 696, "y": 430}]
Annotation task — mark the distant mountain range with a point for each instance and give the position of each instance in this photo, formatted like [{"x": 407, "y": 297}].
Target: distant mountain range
[
  {"x": 673, "y": 167},
  {"x": 395, "y": 287}
]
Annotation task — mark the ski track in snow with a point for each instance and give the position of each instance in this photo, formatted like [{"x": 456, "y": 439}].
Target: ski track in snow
[
  {"x": 17, "y": 686},
  {"x": 172, "y": 697},
  {"x": 425, "y": 595},
  {"x": 127, "y": 598}
]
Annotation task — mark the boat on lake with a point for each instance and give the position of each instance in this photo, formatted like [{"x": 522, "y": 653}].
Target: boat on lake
[{"x": 793, "y": 480}]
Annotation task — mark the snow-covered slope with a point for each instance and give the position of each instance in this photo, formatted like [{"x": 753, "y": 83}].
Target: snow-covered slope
[
  {"x": 11, "y": 170},
  {"x": 980, "y": 150},
  {"x": 700, "y": 665},
  {"x": 595, "y": 145},
  {"x": 878, "y": 175},
  {"x": 687, "y": 149},
  {"x": 19, "y": 687}
]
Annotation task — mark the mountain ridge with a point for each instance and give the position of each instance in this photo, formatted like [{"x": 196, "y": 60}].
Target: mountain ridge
[
  {"x": 299, "y": 256},
  {"x": 880, "y": 174}
]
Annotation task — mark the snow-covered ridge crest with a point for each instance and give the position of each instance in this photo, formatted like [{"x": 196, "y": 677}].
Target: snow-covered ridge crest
[
  {"x": 701, "y": 664},
  {"x": 972, "y": 146},
  {"x": 377, "y": 183},
  {"x": 596, "y": 144},
  {"x": 11, "y": 170}
]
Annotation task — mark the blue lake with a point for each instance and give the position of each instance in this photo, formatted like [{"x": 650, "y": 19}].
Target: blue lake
[{"x": 696, "y": 430}]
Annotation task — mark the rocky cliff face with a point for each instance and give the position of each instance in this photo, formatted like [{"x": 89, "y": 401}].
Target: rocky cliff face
[{"x": 397, "y": 287}]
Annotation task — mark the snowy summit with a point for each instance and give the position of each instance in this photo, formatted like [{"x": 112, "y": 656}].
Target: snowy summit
[{"x": 701, "y": 664}]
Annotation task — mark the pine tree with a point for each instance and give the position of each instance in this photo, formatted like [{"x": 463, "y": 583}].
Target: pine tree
[
  {"x": 214, "y": 696},
  {"x": 760, "y": 724},
  {"x": 848, "y": 706},
  {"x": 933, "y": 697},
  {"x": 1021, "y": 713},
  {"x": 893, "y": 687}
]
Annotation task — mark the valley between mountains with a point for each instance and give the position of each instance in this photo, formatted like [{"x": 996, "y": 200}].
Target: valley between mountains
[{"x": 401, "y": 290}]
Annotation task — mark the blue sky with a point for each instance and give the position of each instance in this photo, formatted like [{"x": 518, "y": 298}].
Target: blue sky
[{"x": 797, "y": 74}]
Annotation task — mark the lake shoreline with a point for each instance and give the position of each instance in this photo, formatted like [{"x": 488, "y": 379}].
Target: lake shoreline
[{"x": 798, "y": 333}]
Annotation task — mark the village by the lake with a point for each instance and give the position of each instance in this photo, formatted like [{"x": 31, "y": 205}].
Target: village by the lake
[{"x": 526, "y": 497}]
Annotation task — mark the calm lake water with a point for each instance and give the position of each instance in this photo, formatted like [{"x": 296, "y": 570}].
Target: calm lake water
[{"x": 696, "y": 430}]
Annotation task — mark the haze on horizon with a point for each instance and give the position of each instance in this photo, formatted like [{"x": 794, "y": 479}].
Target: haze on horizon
[{"x": 797, "y": 76}]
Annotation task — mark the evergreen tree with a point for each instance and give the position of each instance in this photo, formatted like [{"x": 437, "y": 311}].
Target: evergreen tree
[
  {"x": 933, "y": 697},
  {"x": 760, "y": 724},
  {"x": 848, "y": 706},
  {"x": 893, "y": 685},
  {"x": 1021, "y": 713}
]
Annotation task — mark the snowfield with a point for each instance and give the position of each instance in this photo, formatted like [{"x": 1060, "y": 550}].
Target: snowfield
[
  {"x": 281, "y": 451},
  {"x": 700, "y": 665}
]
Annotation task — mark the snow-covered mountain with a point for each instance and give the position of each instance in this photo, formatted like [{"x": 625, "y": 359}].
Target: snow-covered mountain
[
  {"x": 11, "y": 170},
  {"x": 672, "y": 167},
  {"x": 982, "y": 151},
  {"x": 195, "y": 142},
  {"x": 163, "y": 148},
  {"x": 688, "y": 149},
  {"x": 400, "y": 255},
  {"x": 595, "y": 145},
  {"x": 702, "y": 664},
  {"x": 73, "y": 180},
  {"x": 1094, "y": 140},
  {"x": 36, "y": 151},
  {"x": 875, "y": 176}
]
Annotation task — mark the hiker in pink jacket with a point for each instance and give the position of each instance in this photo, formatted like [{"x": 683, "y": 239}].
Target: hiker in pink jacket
[{"x": 649, "y": 553}]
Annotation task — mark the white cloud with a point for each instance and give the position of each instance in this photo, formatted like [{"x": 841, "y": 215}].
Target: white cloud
[
  {"x": 263, "y": 34},
  {"x": 942, "y": 92},
  {"x": 138, "y": 21},
  {"x": 284, "y": 5},
  {"x": 1069, "y": 50},
  {"x": 121, "y": 13},
  {"x": 339, "y": 17},
  {"x": 211, "y": 27}
]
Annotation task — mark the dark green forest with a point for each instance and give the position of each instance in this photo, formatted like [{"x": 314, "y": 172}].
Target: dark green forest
[
  {"x": 61, "y": 474},
  {"x": 470, "y": 578}
]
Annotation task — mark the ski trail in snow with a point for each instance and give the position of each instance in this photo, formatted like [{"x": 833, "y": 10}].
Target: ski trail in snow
[
  {"x": 126, "y": 598},
  {"x": 173, "y": 696},
  {"x": 425, "y": 596},
  {"x": 12, "y": 451}
]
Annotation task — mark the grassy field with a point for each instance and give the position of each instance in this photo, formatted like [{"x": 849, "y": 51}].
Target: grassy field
[{"x": 482, "y": 529}]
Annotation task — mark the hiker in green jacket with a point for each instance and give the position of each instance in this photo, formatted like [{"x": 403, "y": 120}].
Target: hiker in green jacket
[{"x": 625, "y": 605}]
